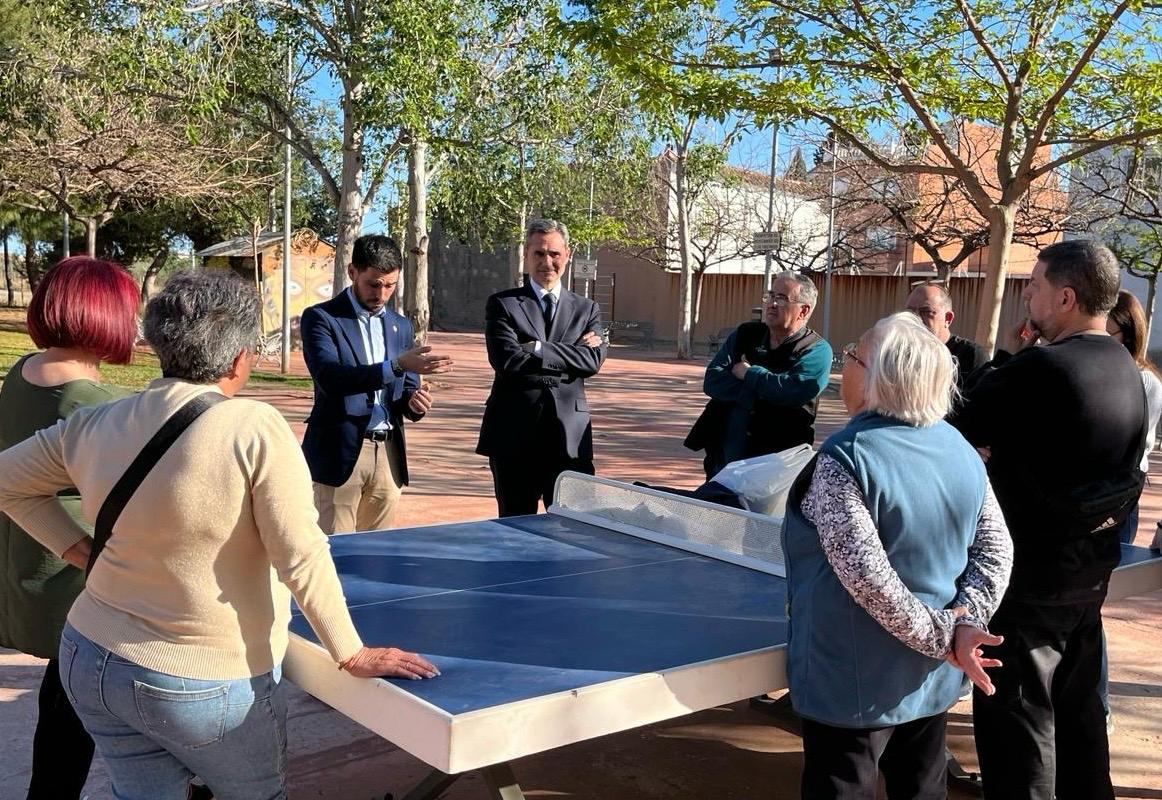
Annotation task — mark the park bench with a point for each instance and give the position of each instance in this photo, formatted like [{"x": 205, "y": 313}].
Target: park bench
[
  {"x": 645, "y": 331},
  {"x": 715, "y": 340}
]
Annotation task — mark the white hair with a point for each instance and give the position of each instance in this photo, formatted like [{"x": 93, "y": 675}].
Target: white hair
[{"x": 911, "y": 375}]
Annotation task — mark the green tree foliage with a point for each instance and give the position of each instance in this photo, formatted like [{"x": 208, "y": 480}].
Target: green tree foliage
[
  {"x": 23, "y": 72},
  {"x": 87, "y": 148},
  {"x": 675, "y": 103},
  {"x": 441, "y": 82},
  {"x": 549, "y": 163},
  {"x": 1055, "y": 80}
]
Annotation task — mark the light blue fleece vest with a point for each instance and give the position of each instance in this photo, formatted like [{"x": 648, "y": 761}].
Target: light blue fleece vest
[{"x": 924, "y": 488}]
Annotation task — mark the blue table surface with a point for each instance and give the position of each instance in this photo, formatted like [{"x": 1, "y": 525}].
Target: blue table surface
[
  {"x": 523, "y": 607},
  {"x": 515, "y": 609},
  {"x": 1137, "y": 555}
]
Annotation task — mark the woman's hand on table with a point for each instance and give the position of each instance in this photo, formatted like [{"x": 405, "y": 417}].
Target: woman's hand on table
[{"x": 389, "y": 662}]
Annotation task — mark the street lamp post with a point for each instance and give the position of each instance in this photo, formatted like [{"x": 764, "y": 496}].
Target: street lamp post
[
  {"x": 830, "y": 245},
  {"x": 284, "y": 360},
  {"x": 768, "y": 264}
]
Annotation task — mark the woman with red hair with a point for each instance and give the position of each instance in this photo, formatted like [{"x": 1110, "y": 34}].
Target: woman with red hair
[{"x": 83, "y": 312}]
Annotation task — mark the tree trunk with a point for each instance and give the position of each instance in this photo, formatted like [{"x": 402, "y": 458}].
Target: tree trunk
[
  {"x": 31, "y": 269},
  {"x": 149, "y": 279},
  {"x": 350, "y": 222},
  {"x": 91, "y": 237},
  {"x": 271, "y": 209},
  {"x": 416, "y": 237},
  {"x": 686, "y": 280},
  {"x": 8, "y": 270},
  {"x": 516, "y": 255},
  {"x": 1151, "y": 300},
  {"x": 1000, "y": 241},
  {"x": 699, "y": 275}
]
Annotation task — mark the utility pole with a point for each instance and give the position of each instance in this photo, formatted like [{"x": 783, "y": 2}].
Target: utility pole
[
  {"x": 286, "y": 222},
  {"x": 768, "y": 266},
  {"x": 830, "y": 241}
]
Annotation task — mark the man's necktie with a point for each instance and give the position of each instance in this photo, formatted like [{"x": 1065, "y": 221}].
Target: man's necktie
[{"x": 550, "y": 302}]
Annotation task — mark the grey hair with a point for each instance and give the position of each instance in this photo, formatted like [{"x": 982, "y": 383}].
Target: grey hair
[
  {"x": 808, "y": 294},
  {"x": 911, "y": 375},
  {"x": 547, "y": 226},
  {"x": 200, "y": 322}
]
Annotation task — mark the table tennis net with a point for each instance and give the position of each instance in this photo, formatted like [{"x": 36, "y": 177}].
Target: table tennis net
[{"x": 739, "y": 537}]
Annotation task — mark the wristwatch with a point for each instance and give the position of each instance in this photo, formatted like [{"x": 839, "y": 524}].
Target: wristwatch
[{"x": 396, "y": 369}]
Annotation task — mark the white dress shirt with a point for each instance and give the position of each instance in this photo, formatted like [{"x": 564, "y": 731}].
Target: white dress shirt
[
  {"x": 375, "y": 352},
  {"x": 540, "y": 292}
]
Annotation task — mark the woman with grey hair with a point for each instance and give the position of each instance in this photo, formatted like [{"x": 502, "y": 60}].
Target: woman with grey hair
[
  {"x": 171, "y": 655},
  {"x": 897, "y": 556}
]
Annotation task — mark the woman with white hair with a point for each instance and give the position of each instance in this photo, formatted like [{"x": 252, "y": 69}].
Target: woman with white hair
[{"x": 897, "y": 556}]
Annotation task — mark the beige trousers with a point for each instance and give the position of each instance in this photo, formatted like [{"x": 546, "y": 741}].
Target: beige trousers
[{"x": 370, "y": 497}]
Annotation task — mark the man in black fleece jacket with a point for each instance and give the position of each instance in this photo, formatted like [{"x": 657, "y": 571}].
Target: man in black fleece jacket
[{"x": 1062, "y": 427}]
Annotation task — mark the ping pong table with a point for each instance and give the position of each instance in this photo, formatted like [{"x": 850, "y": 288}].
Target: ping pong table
[{"x": 621, "y": 607}]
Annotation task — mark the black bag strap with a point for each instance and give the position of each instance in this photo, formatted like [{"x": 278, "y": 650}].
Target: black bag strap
[{"x": 154, "y": 449}]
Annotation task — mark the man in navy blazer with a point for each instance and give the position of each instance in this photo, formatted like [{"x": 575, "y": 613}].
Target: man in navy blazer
[
  {"x": 366, "y": 370},
  {"x": 543, "y": 342}
]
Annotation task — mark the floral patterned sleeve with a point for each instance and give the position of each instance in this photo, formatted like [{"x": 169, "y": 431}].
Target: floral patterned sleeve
[
  {"x": 851, "y": 543},
  {"x": 990, "y": 561}
]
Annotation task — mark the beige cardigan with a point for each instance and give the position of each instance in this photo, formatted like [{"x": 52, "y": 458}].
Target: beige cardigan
[{"x": 194, "y": 580}]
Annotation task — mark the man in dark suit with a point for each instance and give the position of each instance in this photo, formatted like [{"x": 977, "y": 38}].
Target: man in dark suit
[
  {"x": 543, "y": 342},
  {"x": 366, "y": 371}
]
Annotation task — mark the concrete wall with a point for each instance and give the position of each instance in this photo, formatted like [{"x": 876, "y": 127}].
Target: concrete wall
[
  {"x": 642, "y": 292},
  {"x": 462, "y": 279}
]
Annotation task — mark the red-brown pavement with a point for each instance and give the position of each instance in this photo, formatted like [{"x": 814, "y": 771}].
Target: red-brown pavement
[{"x": 643, "y": 403}]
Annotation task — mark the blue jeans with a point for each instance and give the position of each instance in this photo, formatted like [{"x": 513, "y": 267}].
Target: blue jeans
[
  {"x": 1130, "y": 528},
  {"x": 1126, "y": 535},
  {"x": 156, "y": 731}
]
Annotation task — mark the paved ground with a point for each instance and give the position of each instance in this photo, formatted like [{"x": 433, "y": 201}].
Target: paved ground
[{"x": 644, "y": 405}]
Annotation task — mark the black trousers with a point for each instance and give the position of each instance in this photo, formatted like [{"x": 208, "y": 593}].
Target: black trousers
[
  {"x": 520, "y": 483},
  {"x": 61, "y": 749},
  {"x": 521, "y": 480},
  {"x": 844, "y": 763},
  {"x": 1043, "y": 734}
]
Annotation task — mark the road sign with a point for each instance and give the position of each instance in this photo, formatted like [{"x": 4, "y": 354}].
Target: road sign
[
  {"x": 584, "y": 269},
  {"x": 767, "y": 241}
]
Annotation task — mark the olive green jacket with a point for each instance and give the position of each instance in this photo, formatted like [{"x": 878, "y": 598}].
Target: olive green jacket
[{"x": 36, "y": 587}]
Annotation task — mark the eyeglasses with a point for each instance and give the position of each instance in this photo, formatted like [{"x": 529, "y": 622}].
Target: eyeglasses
[
  {"x": 849, "y": 352},
  {"x": 779, "y": 299}
]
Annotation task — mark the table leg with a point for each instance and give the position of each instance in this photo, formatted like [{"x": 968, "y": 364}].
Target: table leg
[
  {"x": 502, "y": 783},
  {"x": 432, "y": 786},
  {"x": 959, "y": 776}
]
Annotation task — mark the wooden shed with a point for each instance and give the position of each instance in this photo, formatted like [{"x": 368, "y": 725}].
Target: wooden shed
[{"x": 312, "y": 265}]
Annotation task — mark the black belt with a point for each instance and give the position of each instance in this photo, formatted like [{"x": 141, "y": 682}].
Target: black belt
[{"x": 378, "y": 436}]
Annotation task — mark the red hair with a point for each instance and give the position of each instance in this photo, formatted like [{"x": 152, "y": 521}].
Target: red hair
[{"x": 86, "y": 304}]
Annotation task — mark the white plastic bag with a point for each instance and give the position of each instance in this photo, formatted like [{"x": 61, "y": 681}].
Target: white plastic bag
[{"x": 765, "y": 481}]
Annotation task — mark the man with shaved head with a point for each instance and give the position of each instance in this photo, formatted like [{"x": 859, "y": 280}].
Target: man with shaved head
[{"x": 931, "y": 302}]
